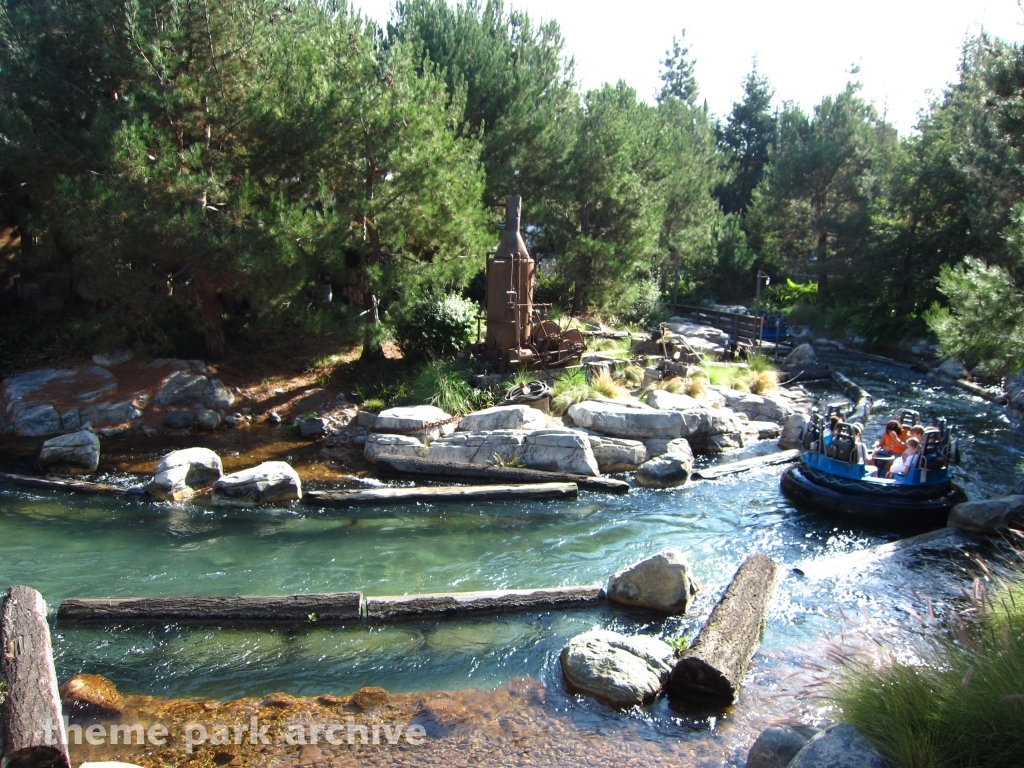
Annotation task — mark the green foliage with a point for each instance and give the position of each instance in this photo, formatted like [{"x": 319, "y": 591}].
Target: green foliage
[
  {"x": 444, "y": 385},
  {"x": 747, "y": 138},
  {"x": 435, "y": 325},
  {"x": 569, "y": 388},
  {"x": 787, "y": 295},
  {"x": 645, "y": 306},
  {"x": 373, "y": 405},
  {"x": 505, "y": 461},
  {"x": 677, "y": 76},
  {"x": 983, "y": 321},
  {"x": 961, "y": 704}
]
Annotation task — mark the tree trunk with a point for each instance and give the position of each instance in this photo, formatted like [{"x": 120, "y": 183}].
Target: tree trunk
[
  {"x": 213, "y": 322},
  {"x": 31, "y": 729},
  {"x": 452, "y": 494}
]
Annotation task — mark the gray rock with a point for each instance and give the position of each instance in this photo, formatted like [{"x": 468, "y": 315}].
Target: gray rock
[
  {"x": 71, "y": 420},
  {"x": 991, "y": 516},
  {"x": 24, "y": 384},
  {"x": 663, "y": 582},
  {"x": 85, "y": 397},
  {"x": 840, "y": 746},
  {"x": 667, "y": 471},
  {"x": 619, "y": 670},
  {"x": 777, "y": 746},
  {"x": 802, "y": 355},
  {"x": 616, "y": 454},
  {"x": 37, "y": 421},
  {"x": 664, "y": 400},
  {"x": 208, "y": 419},
  {"x": 179, "y": 419},
  {"x": 113, "y": 358},
  {"x": 414, "y": 420},
  {"x": 637, "y": 422},
  {"x": 1015, "y": 389},
  {"x": 756, "y": 407},
  {"x": 180, "y": 473},
  {"x": 111, "y": 414},
  {"x": 199, "y": 367},
  {"x": 272, "y": 482},
  {"x": 217, "y": 395},
  {"x": 112, "y": 431},
  {"x": 659, "y": 446},
  {"x": 274, "y": 417},
  {"x": 711, "y": 445},
  {"x": 503, "y": 417},
  {"x": 74, "y": 454},
  {"x": 477, "y": 448},
  {"x": 557, "y": 450},
  {"x": 366, "y": 419},
  {"x": 183, "y": 388},
  {"x": 392, "y": 445},
  {"x": 793, "y": 433},
  {"x": 314, "y": 427},
  {"x": 953, "y": 369},
  {"x": 764, "y": 430}
]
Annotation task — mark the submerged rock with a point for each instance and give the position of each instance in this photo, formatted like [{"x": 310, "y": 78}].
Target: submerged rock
[
  {"x": 990, "y": 516},
  {"x": 667, "y": 471},
  {"x": 75, "y": 454},
  {"x": 91, "y": 696},
  {"x": 618, "y": 670},
  {"x": 180, "y": 473},
  {"x": 272, "y": 482},
  {"x": 840, "y": 746},
  {"x": 777, "y": 746},
  {"x": 663, "y": 582}
]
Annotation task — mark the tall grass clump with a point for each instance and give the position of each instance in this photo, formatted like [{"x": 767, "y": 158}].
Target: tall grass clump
[
  {"x": 604, "y": 383},
  {"x": 445, "y": 385},
  {"x": 570, "y": 388},
  {"x": 631, "y": 375},
  {"x": 963, "y": 705}
]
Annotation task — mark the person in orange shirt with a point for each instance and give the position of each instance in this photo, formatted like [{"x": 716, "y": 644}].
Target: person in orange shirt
[{"x": 892, "y": 439}]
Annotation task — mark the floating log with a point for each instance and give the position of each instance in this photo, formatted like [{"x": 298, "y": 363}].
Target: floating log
[
  {"x": 969, "y": 386},
  {"x": 711, "y": 671},
  {"x": 943, "y": 538},
  {"x": 327, "y": 608},
  {"x": 78, "y": 486},
  {"x": 713, "y": 473},
  {"x": 496, "y": 601},
  {"x": 860, "y": 397},
  {"x": 807, "y": 373},
  {"x": 449, "y": 493},
  {"x": 31, "y": 729},
  {"x": 445, "y": 470}
]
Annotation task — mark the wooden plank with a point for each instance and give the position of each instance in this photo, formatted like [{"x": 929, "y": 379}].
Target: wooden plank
[
  {"x": 326, "y": 608},
  {"x": 721, "y": 470},
  {"x": 495, "y": 601},
  {"x": 31, "y": 729},
  {"x": 77, "y": 486},
  {"x": 712, "y": 669},
  {"x": 943, "y": 538},
  {"x": 444, "y": 470},
  {"x": 449, "y": 493}
]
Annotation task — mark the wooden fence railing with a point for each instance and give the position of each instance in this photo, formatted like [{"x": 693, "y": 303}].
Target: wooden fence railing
[{"x": 736, "y": 325}]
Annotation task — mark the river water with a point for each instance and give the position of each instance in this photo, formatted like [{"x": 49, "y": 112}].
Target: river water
[{"x": 66, "y": 546}]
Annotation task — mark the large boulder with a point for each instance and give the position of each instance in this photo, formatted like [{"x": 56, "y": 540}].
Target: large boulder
[
  {"x": 634, "y": 421},
  {"x": 663, "y": 582},
  {"x": 503, "y": 417},
  {"x": 756, "y": 407},
  {"x": 422, "y": 421},
  {"x": 801, "y": 356},
  {"x": 619, "y": 670},
  {"x": 839, "y": 746},
  {"x": 990, "y": 516},
  {"x": 402, "y": 446},
  {"x": 659, "y": 446},
  {"x": 91, "y": 697},
  {"x": 666, "y": 471},
  {"x": 793, "y": 433},
  {"x": 664, "y": 400},
  {"x": 37, "y": 421},
  {"x": 777, "y": 746},
  {"x": 1015, "y": 389},
  {"x": 74, "y": 454},
  {"x": 560, "y": 450},
  {"x": 184, "y": 388},
  {"x": 477, "y": 448},
  {"x": 616, "y": 454},
  {"x": 110, "y": 414},
  {"x": 272, "y": 482},
  {"x": 953, "y": 369},
  {"x": 24, "y": 384},
  {"x": 180, "y": 473}
]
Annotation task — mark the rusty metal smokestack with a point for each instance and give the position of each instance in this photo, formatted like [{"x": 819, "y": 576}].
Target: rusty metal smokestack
[{"x": 510, "y": 276}]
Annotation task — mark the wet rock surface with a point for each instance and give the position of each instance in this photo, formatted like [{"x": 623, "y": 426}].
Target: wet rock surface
[
  {"x": 663, "y": 582},
  {"x": 180, "y": 473},
  {"x": 666, "y": 471},
  {"x": 991, "y": 516},
  {"x": 272, "y": 482},
  {"x": 77, "y": 454},
  {"x": 839, "y": 746},
  {"x": 777, "y": 746},
  {"x": 91, "y": 697},
  {"x": 616, "y": 669}
]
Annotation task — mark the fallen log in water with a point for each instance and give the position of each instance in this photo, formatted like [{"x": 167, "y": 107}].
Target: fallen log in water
[
  {"x": 31, "y": 729},
  {"x": 999, "y": 398},
  {"x": 327, "y": 608},
  {"x": 449, "y": 493},
  {"x": 711, "y": 671},
  {"x": 942, "y": 539},
  {"x": 56, "y": 484},
  {"x": 721, "y": 470},
  {"x": 861, "y": 399},
  {"x": 445, "y": 470},
  {"x": 494, "y": 601},
  {"x": 806, "y": 373}
]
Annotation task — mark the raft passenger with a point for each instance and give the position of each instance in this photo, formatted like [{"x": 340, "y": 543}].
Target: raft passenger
[{"x": 908, "y": 460}]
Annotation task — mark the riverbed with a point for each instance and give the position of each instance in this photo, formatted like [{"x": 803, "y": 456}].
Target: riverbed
[{"x": 68, "y": 546}]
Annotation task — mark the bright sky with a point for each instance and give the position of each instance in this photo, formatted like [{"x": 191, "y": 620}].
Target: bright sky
[{"x": 907, "y": 50}]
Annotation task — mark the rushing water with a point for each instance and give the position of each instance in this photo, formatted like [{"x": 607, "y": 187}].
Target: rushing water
[{"x": 69, "y": 546}]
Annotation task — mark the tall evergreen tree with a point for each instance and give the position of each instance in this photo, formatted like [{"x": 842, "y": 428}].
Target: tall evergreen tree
[
  {"x": 747, "y": 137},
  {"x": 677, "y": 77}
]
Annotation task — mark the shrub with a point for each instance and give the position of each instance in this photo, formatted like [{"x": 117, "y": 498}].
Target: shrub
[
  {"x": 445, "y": 385},
  {"x": 807, "y": 314},
  {"x": 645, "y": 304},
  {"x": 605, "y": 384},
  {"x": 435, "y": 326},
  {"x": 569, "y": 389}
]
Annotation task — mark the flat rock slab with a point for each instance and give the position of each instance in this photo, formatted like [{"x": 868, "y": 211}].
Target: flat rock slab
[
  {"x": 74, "y": 454},
  {"x": 392, "y": 446},
  {"x": 503, "y": 417},
  {"x": 722, "y": 470},
  {"x": 416, "y": 420},
  {"x": 325, "y": 608},
  {"x": 638, "y": 422},
  {"x": 494, "y": 601},
  {"x": 618, "y": 670},
  {"x": 272, "y": 482}
]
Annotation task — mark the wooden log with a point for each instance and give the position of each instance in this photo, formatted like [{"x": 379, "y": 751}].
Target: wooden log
[
  {"x": 327, "y": 608},
  {"x": 448, "y": 493},
  {"x": 712, "y": 473},
  {"x": 711, "y": 671},
  {"x": 445, "y": 470},
  {"x": 861, "y": 399},
  {"x": 806, "y": 373},
  {"x": 77, "y": 486},
  {"x": 495, "y": 601},
  {"x": 31, "y": 727},
  {"x": 999, "y": 398}
]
